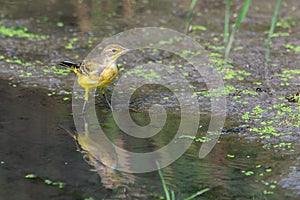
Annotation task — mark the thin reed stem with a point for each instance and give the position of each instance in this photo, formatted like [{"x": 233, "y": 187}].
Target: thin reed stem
[
  {"x": 271, "y": 31},
  {"x": 226, "y": 22},
  {"x": 163, "y": 182},
  {"x": 236, "y": 27},
  {"x": 189, "y": 16}
]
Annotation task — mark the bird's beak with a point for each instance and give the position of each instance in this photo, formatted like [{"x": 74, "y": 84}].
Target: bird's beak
[{"x": 125, "y": 50}]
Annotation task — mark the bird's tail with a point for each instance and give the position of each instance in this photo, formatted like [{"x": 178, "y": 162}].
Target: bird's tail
[{"x": 71, "y": 65}]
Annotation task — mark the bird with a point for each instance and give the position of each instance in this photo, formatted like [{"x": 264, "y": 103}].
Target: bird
[{"x": 97, "y": 72}]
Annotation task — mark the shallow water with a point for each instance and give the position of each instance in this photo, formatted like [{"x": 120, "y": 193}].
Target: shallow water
[
  {"x": 33, "y": 142},
  {"x": 36, "y": 105}
]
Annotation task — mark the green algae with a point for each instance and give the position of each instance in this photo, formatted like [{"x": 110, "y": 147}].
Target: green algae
[{"x": 20, "y": 32}]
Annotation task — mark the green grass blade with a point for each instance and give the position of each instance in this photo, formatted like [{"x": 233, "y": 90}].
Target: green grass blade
[
  {"x": 189, "y": 16},
  {"x": 242, "y": 15},
  {"x": 163, "y": 182},
  {"x": 226, "y": 22},
  {"x": 173, "y": 195},
  {"x": 197, "y": 194},
  {"x": 236, "y": 27},
  {"x": 271, "y": 31}
]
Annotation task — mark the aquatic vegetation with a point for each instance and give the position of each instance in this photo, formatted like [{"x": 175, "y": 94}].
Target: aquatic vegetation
[
  {"x": 226, "y": 23},
  {"x": 170, "y": 194},
  {"x": 273, "y": 123},
  {"x": 196, "y": 139},
  {"x": 55, "y": 70},
  {"x": 171, "y": 40},
  {"x": 293, "y": 97},
  {"x": 189, "y": 15},
  {"x": 71, "y": 43},
  {"x": 286, "y": 23},
  {"x": 215, "y": 54},
  {"x": 21, "y": 32},
  {"x": 229, "y": 40},
  {"x": 287, "y": 75},
  {"x": 210, "y": 46},
  {"x": 247, "y": 173},
  {"x": 60, "y": 24},
  {"x": 279, "y": 34},
  {"x": 149, "y": 74},
  {"x": 60, "y": 185},
  {"x": 260, "y": 173},
  {"x": 199, "y": 28},
  {"x": 239, "y": 74},
  {"x": 272, "y": 185},
  {"x": 269, "y": 170},
  {"x": 89, "y": 198},
  {"x": 229, "y": 37},
  {"x": 271, "y": 31},
  {"x": 230, "y": 156},
  {"x": 289, "y": 47},
  {"x": 268, "y": 192}
]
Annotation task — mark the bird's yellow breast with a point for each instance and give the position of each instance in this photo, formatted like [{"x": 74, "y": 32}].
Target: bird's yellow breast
[
  {"x": 107, "y": 76},
  {"x": 94, "y": 79}
]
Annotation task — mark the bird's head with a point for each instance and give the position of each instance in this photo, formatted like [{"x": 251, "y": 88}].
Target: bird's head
[{"x": 113, "y": 52}]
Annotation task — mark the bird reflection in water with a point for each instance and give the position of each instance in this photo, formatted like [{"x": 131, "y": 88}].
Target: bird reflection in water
[{"x": 101, "y": 156}]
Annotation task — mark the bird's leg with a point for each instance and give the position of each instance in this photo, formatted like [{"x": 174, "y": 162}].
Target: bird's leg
[
  {"x": 86, "y": 98},
  {"x": 83, "y": 107},
  {"x": 104, "y": 95}
]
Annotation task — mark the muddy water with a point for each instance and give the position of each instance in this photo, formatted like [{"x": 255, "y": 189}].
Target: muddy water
[{"x": 35, "y": 104}]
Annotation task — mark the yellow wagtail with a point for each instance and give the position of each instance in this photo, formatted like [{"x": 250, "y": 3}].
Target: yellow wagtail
[{"x": 97, "y": 73}]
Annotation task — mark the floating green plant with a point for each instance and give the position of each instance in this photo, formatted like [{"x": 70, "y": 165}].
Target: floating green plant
[
  {"x": 230, "y": 156},
  {"x": 71, "y": 43},
  {"x": 56, "y": 70},
  {"x": 239, "y": 74},
  {"x": 290, "y": 47},
  {"x": 18, "y": 61},
  {"x": 268, "y": 192},
  {"x": 60, "y": 185},
  {"x": 60, "y": 24},
  {"x": 31, "y": 176},
  {"x": 248, "y": 173},
  {"x": 149, "y": 74},
  {"x": 199, "y": 28},
  {"x": 21, "y": 32},
  {"x": 196, "y": 139},
  {"x": 286, "y": 23},
  {"x": 89, "y": 198},
  {"x": 293, "y": 97}
]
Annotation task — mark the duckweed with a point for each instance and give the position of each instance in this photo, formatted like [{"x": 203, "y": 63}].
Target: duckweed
[
  {"x": 60, "y": 185},
  {"x": 21, "y": 32},
  {"x": 31, "y": 176},
  {"x": 71, "y": 43},
  {"x": 230, "y": 156},
  {"x": 269, "y": 170},
  {"x": 60, "y": 24},
  {"x": 268, "y": 192},
  {"x": 199, "y": 28},
  {"x": 248, "y": 173}
]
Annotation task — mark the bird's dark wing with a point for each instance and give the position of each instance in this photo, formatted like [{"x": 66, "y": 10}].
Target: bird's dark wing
[{"x": 69, "y": 64}]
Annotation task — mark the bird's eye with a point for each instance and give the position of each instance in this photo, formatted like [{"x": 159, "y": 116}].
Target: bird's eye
[{"x": 114, "y": 50}]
